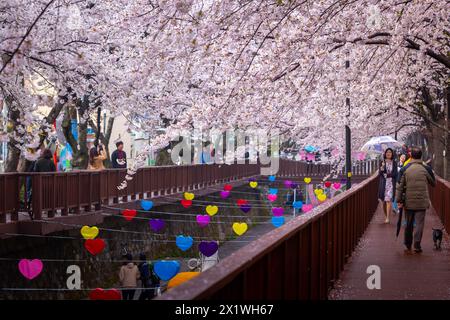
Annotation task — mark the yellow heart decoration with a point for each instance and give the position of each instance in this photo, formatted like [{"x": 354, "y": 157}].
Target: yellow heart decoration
[
  {"x": 89, "y": 232},
  {"x": 253, "y": 184},
  {"x": 322, "y": 197},
  {"x": 189, "y": 195},
  {"x": 240, "y": 228},
  {"x": 307, "y": 180},
  {"x": 318, "y": 191},
  {"x": 211, "y": 210}
]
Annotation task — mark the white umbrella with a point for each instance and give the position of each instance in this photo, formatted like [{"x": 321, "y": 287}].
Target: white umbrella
[{"x": 380, "y": 144}]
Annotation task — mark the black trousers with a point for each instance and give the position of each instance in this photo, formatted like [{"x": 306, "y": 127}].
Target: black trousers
[
  {"x": 128, "y": 294},
  {"x": 147, "y": 294}
]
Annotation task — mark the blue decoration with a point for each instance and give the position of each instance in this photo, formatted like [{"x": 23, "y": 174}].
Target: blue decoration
[
  {"x": 271, "y": 178},
  {"x": 166, "y": 270},
  {"x": 297, "y": 204},
  {"x": 184, "y": 242},
  {"x": 273, "y": 190},
  {"x": 277, "y": 221},
  {"x": 146, "y": 204}
]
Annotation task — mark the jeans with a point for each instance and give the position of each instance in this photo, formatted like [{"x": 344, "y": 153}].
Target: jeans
[
  {"x": 411, "y": 216},
  {"x": 128, "y": 294}
]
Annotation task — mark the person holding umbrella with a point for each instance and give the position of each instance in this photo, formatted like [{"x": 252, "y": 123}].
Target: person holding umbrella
[{"x": 388, "y": 177}]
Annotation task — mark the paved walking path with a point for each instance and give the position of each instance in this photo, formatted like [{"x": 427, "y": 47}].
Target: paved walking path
[{"x": 417, "y": 276}]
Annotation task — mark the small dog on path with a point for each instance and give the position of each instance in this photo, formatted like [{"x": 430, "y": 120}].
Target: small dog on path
[{"x": 437, "y": 238}]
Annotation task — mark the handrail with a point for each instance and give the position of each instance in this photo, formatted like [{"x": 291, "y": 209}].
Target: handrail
[
  {"x": 440, "y": 199},
  {"x": 299, "y": 260}
]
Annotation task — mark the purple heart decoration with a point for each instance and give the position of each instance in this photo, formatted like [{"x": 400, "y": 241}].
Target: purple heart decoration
[
  {"x": 287, "y": 183},
  {"x": 251, "y": 179},
  {"x": 294, "y": 185},
  {"x": 224, "y": 194},
  {"x": 208, "y": 248},
  {"x": 156, "y": 224},
  {"x": 277, "y": 211},
  {"x": 203, "y": 220},
  {"x": 245, "y": 207}
]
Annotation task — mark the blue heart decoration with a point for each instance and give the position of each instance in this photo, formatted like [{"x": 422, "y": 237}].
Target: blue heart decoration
[
  {"x": 184, "y": 243},
  {"x": 271, "y": 178},
  {"x": 146, "y": 204},
  {"x": 277, "y": 221},
  {"x": 297, "y": 204},
  {"x": 273, "y": 190},
  {"x": 166, "y": 270}
]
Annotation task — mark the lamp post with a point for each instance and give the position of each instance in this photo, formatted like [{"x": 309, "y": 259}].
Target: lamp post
[{"x": 348, "y": 147}]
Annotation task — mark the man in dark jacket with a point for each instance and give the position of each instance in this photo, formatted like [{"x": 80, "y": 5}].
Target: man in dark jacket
[
  {"x": 412, "y": 194},
  {"x": 119, "y": 157}
]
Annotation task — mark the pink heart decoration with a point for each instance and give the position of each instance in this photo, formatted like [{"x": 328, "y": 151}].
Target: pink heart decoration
[
  {"x": 30, "y": 269},
  {"x": 307, "y": 207},
  {"x": 336, "y": 185},
  {"x": 203, "y": 220},
  {"x": 277, "y": 211},
  {"x": 272, "y": 197},
  {"x": 224, "y": 194}
]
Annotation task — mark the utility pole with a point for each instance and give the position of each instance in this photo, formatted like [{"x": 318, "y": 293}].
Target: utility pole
[{"x": 348, "y": 140}]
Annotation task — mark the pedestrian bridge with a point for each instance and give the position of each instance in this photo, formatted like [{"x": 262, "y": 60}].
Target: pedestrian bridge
[{"x": 324, "y": 254}]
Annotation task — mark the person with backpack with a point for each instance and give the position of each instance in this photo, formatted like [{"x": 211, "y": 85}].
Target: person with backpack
[
  {"x": 412, "y": 194},
  {"x": 148, "y": 278}
]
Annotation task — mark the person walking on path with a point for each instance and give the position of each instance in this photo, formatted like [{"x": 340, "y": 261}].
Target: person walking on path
[
  {"x": 412, "y": 195},
  {"x": 96, "y": 158},
  {"x": 388, "y": 178},
  {"x": 146, "y": 271},
  {"x": 45, "y": 163},
  {"x": 119, "y": 157},
  {"x": 128, "y": 276}
]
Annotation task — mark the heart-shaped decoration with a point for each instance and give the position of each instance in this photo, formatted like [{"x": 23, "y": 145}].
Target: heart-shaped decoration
[
  {"x": 189, "y": 196},
  {"x": 318, "y": 191},
  {"x": 277, "y": 221},
  {"x": 184, "y": 243},
  {"x": 240, "y": 228},
  {"x": 307, "y": 207},
  {"x": 327, "y": 184},
  {"x": 336, "y": 185},
  {"x": 245, "y": 207},
  {"x": 271, "y": 178},
  {"x": 227, "y": 187},
  {"x": 277, "y": 211},
  {"x": 307, "y": 180},
  {"x": 287, "y": 183},
  {"x": 322, "y": 197},
  {"x": 253, "y": 184},
  {"x": 129, "y": 214},
  {"x": 273, "y": 190},
  {"x": 297, "y": 204},
  {"x": 203, "y": 220},
  {"x": 30, "y": 269},
  {"x": 156, "y": 224},
  {"x": 100, "y": 294},
  {"x": 89, "y": 232},
  {"x": 240, "y": 202},
  {"x": 224, "y": 194},
  {"x": 294, "y": 185},
  {"x": 166, "y": 270},
  {"x": 146, "y": 204},
  {"x": 272, "y": 197},
  {"x": 186, "y": 203},
  {"x": 94, "y": 246},
  {"x": 211, "y": 210},
  {"x": 208, "y": 248}
]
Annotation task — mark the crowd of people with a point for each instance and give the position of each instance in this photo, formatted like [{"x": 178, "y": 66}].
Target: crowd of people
[{"x": 404, "y": 187}]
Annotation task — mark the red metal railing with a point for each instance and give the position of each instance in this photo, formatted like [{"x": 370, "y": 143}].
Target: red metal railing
[
  {"x": 440, "y": 199},
  {"x": 299, "y": 260}
]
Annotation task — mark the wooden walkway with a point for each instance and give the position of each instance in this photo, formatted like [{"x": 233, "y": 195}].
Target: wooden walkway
[{"x": 416, "y": 277}]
